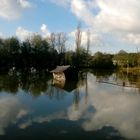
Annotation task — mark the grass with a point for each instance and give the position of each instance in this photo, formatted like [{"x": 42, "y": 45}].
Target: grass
[{"x": 131, "y": 70}]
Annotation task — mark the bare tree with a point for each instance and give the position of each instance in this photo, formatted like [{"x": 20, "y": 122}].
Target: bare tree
[
  {"x": 53, "y": 40},
  {"x": 78, "y": 37},
  {"x": 88, "y": 41},
  {"x": 88, "y": 47},
  {"x": 61, "y": 39},
  {"x": 58, "y": 41}
]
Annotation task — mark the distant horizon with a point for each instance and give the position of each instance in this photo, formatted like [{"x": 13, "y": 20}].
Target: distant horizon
[{"x": 96, "y": 48}]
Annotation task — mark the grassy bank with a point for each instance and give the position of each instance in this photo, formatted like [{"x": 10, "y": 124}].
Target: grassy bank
[{"x": 131, "y": 70}]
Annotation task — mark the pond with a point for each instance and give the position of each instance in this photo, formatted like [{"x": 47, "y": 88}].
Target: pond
[{"x": 100, "y": 105}]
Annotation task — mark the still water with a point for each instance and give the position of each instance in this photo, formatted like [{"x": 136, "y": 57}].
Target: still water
[{"x": 101, "y": 105}]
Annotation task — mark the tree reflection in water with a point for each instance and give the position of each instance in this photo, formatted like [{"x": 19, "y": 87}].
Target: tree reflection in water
[
  {"x": 85, "y": 103},
  {"x": 40, "y": 82},
  {"x": 34, "y": 83}
]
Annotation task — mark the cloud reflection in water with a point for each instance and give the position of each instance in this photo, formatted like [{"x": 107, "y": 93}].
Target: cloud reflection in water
[
  {"x": 114, "y": 107},
  {"x": 10, "y": 111}
]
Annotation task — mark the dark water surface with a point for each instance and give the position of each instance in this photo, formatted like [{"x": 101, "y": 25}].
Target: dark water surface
[{"x": 101, "y": 105}]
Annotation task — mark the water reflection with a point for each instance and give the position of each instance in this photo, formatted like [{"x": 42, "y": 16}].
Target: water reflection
[
  {"x": 35, "y": 83},
  {"x": 119, "y": 78},
  {"x": 85, "y": 108},
  {"x": 11, "y": 110},
  {"x": 38, "y": 82},
  {"x": 68, "y": 86},
  {"x": 117, "y": 109}
]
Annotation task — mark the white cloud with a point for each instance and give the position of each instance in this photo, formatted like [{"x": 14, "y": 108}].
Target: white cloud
[
  {"x": 132, "y": 38},
  {"x": 112, "y": 16},
  {"x": 119, "y": 17},
  {"x": 9, "y": 9},
  {"x": 25, "y": 3},
  {"x": 12, "y": 9},
  {"x": 118, "y": 109},
  {"x": 81, "y": 10},
  {"x": 43, "y": 119},
  {"x": 94, "y": 37},
  {"x": 23, "y": 34},
  {"x": 10, "y": 110},
  {"x": 44, "y": 30}
]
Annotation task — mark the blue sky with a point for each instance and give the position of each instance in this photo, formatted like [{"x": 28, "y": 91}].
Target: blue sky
[
  {"x": 114, "y": 25},
  {"x": 55, "y": 17}
]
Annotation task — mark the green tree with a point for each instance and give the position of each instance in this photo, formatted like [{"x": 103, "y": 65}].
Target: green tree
[
  {"x": 101, "y": 60},
  {"x": 121, "y": 58}
]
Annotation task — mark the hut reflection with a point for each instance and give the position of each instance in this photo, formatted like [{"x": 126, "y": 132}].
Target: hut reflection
[{"x": 68, "y": 86}]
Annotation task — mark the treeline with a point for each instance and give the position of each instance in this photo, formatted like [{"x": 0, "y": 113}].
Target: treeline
[
  {"x": 36, "y": 53},
  {"x": 126, "y": 60},
  {"x": 39, "y": 53},
  {"x": 42, "y": 53}
]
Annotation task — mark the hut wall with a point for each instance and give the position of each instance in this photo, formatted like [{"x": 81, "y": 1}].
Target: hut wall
[{"x": 59, "y": 76}]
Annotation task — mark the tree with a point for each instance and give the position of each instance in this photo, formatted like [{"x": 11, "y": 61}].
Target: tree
[
  {"x": 121, "y": 59},
  {"x": 14, "y": 45},
  {"x": 61, "y": 39},
  {"x": 88, "y": 47},
  {"x": 88, "y": 41},
  {"x": 52, "y": 40},
  {"x": 36, "y": 41},
  {"x": 101, "y": 60},
  {"x": 12, "y": 49},
  {"x": 78, "y": 37},
  {"x": 61, "y": 42},
  {"x": 26, "y": 54}
]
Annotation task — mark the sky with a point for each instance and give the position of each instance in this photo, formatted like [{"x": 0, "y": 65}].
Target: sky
[{"x": 113, "y": 25}]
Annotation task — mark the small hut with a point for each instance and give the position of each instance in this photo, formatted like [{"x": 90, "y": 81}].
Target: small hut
[{"x": 63, "y": 73}]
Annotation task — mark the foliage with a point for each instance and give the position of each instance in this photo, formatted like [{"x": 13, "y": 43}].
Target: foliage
[
  {"x": 101, "y": 60},
  {"x": 124, "y": 59},
  {"x": 35, "y": 52},
  {"x": 39, "y": 53}
]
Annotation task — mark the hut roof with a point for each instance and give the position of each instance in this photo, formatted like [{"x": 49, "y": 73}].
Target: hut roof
[{"x": 60, "y": 69}]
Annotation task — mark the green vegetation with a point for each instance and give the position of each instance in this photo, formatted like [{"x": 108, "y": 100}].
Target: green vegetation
[
  {"x": 41, "y": 54},
  {"x": 38, "y": 53},
  {"x": 127, "y": 62}
]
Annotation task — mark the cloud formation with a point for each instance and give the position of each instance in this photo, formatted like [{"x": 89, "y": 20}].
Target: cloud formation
[
  {"x": 112, "y": 16},
  {"x": 81, "y": 10},
  {"x": 23, "y": 34},
  {"x": 10, "y": 111},
  {"x": 24, "y": 3},
  {"x": 12, "y": 9},
  {"x": 44, "y": 30},
  {"x": 94, "y": 37},
  {"x": 119, "y": 109},
  {"x": 120, "y": 18},
  {"x": 42, "y": 119}
]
